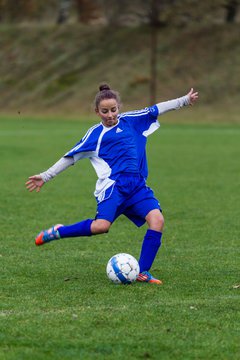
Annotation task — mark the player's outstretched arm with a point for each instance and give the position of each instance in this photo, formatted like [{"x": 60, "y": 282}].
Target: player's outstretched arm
[
  {"x": 178, "y": 103},
  {"x": 193, "y": 96},
  {"x": 34, "y": 182}
]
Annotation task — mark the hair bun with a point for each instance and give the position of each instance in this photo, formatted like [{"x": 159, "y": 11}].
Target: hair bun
[{"x": 103, "y": 87}]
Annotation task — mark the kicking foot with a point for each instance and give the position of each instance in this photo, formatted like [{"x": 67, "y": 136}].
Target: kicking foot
[
  {"x": 145, "y": 276},
  {"x": 48, "y": 235}
]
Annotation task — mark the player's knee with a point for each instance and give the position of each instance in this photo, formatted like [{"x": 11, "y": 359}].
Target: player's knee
[
  {"x": 158, "y": 223},
  {"x": 155, "y": 220},
  {"x": 104, "y": 228},
  {"x": 162, "y": 219},
  {"x": 100, "y": 226},
  {"x": 161, "y": 222}
]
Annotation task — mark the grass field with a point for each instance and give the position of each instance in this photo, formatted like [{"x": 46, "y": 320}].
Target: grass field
[{"x": 56, "y": 301}]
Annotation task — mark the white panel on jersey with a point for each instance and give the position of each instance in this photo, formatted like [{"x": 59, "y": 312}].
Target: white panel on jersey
[
  {"x": 101, "y": 167},
  {"x": 103, "y": 171},
  {"x": 101, "y": 187},
  {"x": 153, "y": 127}
]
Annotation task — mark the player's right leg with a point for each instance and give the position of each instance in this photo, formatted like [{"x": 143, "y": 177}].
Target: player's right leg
[{"x": 87, "y": 227}]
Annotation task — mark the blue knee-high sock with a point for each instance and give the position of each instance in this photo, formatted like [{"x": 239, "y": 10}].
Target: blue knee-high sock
[
  {"x": 151, "y": 244},
  {"x": 82, "y": 228}
]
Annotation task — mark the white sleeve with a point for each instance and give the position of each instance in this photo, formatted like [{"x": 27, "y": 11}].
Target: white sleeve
[
  {"x": 172, "y": 104},
  {"x": 58, "y": 167}
]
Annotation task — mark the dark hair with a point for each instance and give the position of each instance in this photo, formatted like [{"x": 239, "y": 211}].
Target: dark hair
[{"x": 106, "y": 93}]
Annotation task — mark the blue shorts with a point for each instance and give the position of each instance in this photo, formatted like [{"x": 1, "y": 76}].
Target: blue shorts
[{"x": 129, "y": 196}]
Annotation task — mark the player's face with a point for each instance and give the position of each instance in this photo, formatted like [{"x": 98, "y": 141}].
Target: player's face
[{"x": 108, "y": 110}]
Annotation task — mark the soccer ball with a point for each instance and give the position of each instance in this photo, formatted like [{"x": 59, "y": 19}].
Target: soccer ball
[{"x": 122, "y": 269}]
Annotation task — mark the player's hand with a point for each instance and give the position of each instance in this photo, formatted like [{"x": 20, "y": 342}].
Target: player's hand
[
  {"x": 193, "y": 96},
  {"x": 35, "y": 182}
]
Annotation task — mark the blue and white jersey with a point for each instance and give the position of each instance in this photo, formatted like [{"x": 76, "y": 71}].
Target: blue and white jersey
[{"x": 118, "y": 149}]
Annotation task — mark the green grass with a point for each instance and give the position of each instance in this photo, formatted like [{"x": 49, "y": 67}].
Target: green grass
[{"x": 56, "y": 301}]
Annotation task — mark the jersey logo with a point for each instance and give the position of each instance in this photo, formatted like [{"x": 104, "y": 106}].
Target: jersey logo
[{"x": 118, "y": 130}]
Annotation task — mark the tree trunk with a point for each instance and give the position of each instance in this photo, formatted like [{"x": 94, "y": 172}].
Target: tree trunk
[
  {"x": 153, "y": 66},
  {"x": 153, "y": 51}
]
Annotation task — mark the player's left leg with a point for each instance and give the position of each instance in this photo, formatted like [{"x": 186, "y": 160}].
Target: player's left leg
[
  {"x": 144, "y": 207},
  {"x": 150, "y": 246}
]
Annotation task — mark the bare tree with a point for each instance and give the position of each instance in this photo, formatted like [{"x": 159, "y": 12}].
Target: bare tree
[{"x": 153, "y": 16}]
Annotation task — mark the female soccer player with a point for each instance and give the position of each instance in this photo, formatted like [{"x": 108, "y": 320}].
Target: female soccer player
[{"x": 116, "y": 148}]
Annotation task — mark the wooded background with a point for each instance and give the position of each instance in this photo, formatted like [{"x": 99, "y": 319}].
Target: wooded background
[
  {"x": 53, "y": 51},
  {"x": 159, "y": 12}
]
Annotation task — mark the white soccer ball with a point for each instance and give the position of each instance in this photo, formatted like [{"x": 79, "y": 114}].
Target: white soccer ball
[{"x": 122, "y": 269}]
